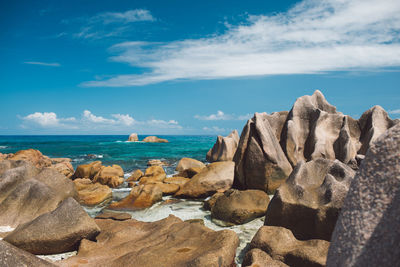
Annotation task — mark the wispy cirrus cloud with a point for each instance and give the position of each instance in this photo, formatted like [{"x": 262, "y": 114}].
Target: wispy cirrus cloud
[
  {"x": 109, "y": 24},
  {"x": 54, "y": 64},
  {"x": 394, "y": 111},
  {"x": 221, "y": 116},
  {"x": 314, "y": 36}
]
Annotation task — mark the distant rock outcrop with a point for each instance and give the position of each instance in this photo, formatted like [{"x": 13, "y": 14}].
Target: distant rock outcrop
[
  {"x": 309, "y": 202},
  {"x": 367, "y": 232},
  {"x": 224, "y": 148},
  {"x": 133, "y": 137},
  {"x": 271, "y": 145},
  {"x": 154, "y": 139}
]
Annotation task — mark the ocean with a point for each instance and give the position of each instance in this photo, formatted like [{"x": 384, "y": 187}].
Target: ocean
[{"x": 112, "y": 149}]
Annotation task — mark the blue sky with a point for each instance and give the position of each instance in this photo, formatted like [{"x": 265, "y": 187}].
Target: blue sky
[{"x": 190, "y": 67}]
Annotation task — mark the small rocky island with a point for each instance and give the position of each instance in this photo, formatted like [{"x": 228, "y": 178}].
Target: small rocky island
[{"x": 325, "y": 184}]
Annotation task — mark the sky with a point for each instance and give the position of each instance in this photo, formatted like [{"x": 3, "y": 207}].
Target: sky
[{"x": 190, "y": 67}]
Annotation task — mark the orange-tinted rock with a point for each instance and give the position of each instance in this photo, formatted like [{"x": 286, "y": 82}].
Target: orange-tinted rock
[
  {"x": 110, "y": 175},
  {"x": 135, "y": 176},
  {"x": 141, "y": 196},
  {"x": 88, "y": 170},
  {"x": 118, "y": 216},
  {"x": 187, "y": 163},
  {"x": 217, "y": 176},
  {"x": 154, "y": 139},
  {"x": 90, "y": 193},
  {"x": 176, "y": 180},
  {"x": 33, "y": 156}
]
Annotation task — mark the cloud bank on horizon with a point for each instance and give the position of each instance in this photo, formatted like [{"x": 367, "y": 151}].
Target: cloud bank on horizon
[
  {"x": 312, "y": 37},
  {"x": 92, "y": 121}
]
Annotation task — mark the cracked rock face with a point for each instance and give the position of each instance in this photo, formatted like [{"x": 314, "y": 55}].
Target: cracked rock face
[{"x": 309, "y": 202}]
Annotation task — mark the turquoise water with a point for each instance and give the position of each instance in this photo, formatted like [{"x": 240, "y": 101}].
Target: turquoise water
[{"x": 112, "y": 149}]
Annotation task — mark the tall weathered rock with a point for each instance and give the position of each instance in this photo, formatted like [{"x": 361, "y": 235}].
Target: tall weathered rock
[
  {"x": 311, "y": 128},
  {"x": 373, "y": 123},
  {"x": 260, "y": 161},
  {"x": 367, "y": 232},
  {"x": 224, "y": 148},
  {"x": 309, "y": 202}
]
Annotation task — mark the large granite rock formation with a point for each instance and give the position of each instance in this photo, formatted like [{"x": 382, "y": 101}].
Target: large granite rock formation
[
  {"x": 260, "y": 161},
  {"x": 13, "y": 256},
  {"x": 27, "y": 192},
  {"x": 309, "y": 202},
  {"x": 367, "y": 232},
  {"x": 217, "y": 176},
  {"x": 258, "y": 258},
  {"x": 281, "y": 245},
  {"x": 238, "y": 207},
  {"x": 55, "y": 232},
  {"x": 168, "y": 242},
  {"x": 224, "y": 148},
  {"x": 312, "y": 129}
]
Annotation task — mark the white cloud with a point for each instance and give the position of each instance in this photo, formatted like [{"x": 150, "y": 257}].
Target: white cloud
[
  {"x": 55, "y": 64},
  {"x": 92, "y": 121},
  {"x": 216, "y": 129},
  {"x": 124, "y": 119},
  {"x": 314, "y": 36},
  {"x": 47, "y": 119},
  {"x": 395, "y": 111},
  {"x": 108, "y": 24},
  {"x": 89, "y": 116},
  {"x": 124, "y": 17},
  {"x": 164, "y": 124},
  {"x": 220, "y": 115}
]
